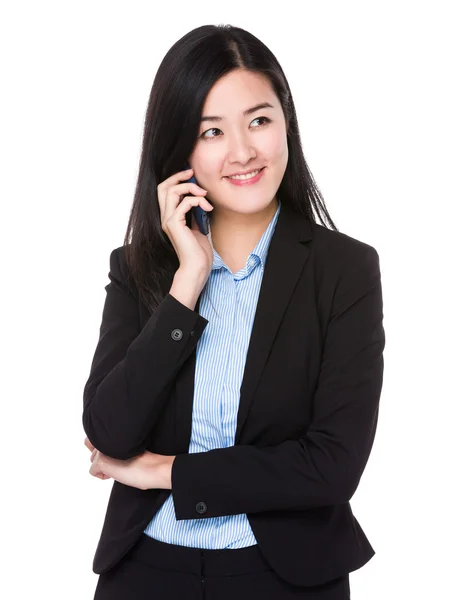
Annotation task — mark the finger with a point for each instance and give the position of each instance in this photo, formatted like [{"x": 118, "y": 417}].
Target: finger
[
  {"x": 187, "y": 186},
  {"x": 194, "y": 226},
  {"x": 175, "y": 196},
  {"x": 88, "y": 444},
  {"x": 105, "y": 467},
  {"x": 96, "y": 470},
  {"x": 171, "y": 182},
  {"x": 188, "y": 202},
  {"x": 100, "y": 475},
  {"x": 176, "y": 178}
]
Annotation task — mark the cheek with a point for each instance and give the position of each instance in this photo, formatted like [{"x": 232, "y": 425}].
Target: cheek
[
  {"x": 275, "y": 146},
  {"x": 207, "y": 161}
]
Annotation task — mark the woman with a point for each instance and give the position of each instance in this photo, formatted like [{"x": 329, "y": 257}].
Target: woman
[{"x": 233, "y": 395}]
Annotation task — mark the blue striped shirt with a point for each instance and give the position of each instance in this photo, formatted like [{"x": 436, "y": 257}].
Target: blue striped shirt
[{"x": 229, "y": 302}]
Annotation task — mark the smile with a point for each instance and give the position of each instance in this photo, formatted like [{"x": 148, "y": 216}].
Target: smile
[{"x": 248, "y": 179}]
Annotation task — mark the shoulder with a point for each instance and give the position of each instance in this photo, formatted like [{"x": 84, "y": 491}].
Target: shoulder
[
  {"x": 119, "y": 269},
  {"x": 339, "y": 248},
  {"x": 117, "y": 261},
  {"x": 344, "y": 262}
]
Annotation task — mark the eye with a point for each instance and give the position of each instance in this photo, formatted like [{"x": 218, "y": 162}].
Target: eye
[{"x": 265, "y": 120}]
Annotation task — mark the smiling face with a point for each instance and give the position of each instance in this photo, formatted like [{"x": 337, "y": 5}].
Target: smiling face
[{"x": 234, "y": 142}]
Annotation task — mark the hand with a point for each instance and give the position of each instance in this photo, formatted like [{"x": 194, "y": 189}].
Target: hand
[
  {"x": 192, "y": 247},
  {"x": 146, "y": 471}
]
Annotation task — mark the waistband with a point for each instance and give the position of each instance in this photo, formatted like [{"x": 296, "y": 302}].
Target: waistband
[{"x": 197, "y": 561}]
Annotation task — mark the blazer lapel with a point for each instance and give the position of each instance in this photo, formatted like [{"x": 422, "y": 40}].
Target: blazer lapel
[{"x": 285, "y": 261}]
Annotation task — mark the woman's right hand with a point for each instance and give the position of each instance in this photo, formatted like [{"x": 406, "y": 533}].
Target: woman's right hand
[{"x": 192, "y": 247}]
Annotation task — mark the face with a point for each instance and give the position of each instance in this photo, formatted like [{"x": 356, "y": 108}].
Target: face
[{"x": 233, "y": 142}]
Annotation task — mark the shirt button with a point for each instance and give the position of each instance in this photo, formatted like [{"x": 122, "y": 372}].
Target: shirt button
[
  {"x": 201, "y": 508},
  {"x": 176, "y": 334}
]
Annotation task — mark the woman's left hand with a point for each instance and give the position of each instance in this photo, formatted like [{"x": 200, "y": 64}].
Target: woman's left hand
[{"x": 146, "y": 471}]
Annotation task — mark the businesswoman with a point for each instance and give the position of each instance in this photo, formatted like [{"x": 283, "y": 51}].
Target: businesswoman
[{"x": 234, "y": 391}]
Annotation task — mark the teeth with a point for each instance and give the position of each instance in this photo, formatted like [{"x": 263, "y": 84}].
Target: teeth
[{"x": 247, "y": 176}]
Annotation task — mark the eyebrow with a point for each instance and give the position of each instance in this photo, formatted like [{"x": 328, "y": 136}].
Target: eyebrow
[{"x": 246, "y": 112}]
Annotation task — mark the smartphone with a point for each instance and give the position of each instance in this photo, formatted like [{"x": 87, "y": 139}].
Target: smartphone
[{"x": 201, "y": 216}]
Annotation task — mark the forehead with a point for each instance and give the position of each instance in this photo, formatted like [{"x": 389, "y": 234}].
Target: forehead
[{"x": 237, "y": 91}]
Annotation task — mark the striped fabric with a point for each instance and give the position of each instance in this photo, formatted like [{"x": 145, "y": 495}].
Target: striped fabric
[{"x": 229, "y": 303}]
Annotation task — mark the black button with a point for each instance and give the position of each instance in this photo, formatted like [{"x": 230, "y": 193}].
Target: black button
[
  {"x": 192, "y": 333},
  {"x": 176, "y": 334},
  {"x": 201, "y": 508}
]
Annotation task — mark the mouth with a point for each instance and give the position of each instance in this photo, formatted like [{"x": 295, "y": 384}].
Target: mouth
[{"x": 246, "y": 179}]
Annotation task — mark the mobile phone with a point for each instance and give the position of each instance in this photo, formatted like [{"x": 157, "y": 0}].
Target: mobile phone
[{"x": 201, "y": 216}]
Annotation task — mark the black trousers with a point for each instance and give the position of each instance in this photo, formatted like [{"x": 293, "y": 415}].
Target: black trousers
[{"x": 154, "y": 570}]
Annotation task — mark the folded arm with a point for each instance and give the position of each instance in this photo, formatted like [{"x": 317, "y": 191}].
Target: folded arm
[{"x": 325, "y": 465}]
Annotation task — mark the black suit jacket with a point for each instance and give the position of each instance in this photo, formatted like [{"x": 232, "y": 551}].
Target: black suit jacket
[{"x": 307, "y": 414}]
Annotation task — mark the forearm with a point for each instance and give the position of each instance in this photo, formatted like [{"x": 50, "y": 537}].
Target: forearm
[
  {"x": 121, "y": 406},
  {"x": 295, "y": 475},
  {"x": 165, "y": 473}
]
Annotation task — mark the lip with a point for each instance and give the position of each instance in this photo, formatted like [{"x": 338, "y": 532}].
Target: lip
[
  {"x": 251, "y": 181},
  {"x": 245, "y": 172}
]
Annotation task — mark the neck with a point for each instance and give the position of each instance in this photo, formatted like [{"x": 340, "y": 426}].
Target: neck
[{"x": 235, "y": 235}]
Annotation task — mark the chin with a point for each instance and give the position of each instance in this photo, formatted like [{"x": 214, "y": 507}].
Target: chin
[{"x": 250, "y": 208}]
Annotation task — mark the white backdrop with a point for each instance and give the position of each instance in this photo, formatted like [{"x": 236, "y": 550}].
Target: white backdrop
[{"x": 375, "y": 86}]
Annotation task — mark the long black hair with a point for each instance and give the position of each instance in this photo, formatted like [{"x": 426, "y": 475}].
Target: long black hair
[{"x": 183, "y": 80}]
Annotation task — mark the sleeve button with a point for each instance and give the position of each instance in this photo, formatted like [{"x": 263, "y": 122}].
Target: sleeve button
[
  {"x": 201, "y": 508},
  {"x": 176, "y": 334}
]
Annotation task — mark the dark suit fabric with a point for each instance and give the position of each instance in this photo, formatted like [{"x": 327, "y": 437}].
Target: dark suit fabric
[
  {"x": 154, "y": 569},
  {"x": 307, "y": 415}
]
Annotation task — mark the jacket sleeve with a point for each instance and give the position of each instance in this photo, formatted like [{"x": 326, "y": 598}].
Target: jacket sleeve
[
  {"x": 325, "y": 465},
  {"x": 133, "y": 370}
]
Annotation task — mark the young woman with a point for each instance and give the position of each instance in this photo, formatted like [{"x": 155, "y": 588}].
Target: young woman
[{"x": 234, "y": 391}]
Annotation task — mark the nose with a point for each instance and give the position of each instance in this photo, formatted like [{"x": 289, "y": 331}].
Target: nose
[{"x": 241, "y": 149}]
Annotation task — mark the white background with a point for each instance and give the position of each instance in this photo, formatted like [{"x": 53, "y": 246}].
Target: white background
[{"x": 375, "y": 85}]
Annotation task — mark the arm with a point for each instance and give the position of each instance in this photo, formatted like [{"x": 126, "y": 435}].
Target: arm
[
  {"x": 325, "y": 465},
  {"x": 132, "y": 371},
  {"x": 146, "y": 471}
]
